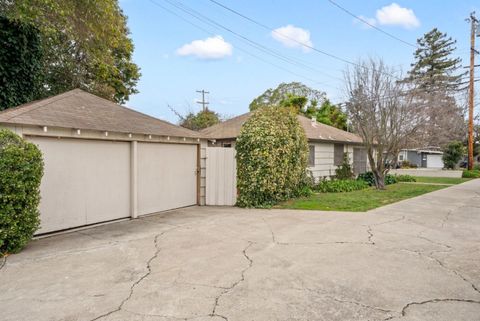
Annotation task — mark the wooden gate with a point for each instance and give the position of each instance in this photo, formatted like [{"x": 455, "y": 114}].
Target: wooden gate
[{"x": 221, "y": 176}]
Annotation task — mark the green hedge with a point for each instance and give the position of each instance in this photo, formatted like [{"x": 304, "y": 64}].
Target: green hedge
[
  {"x": 474, "y": 173},
  {"x": 21, "y": 170},
  {"x": 370, "y": 179},
  {"x": 340, "y": 185},
  {"x": 405, "y": 178},
  {"x": 272, "y": 154}
]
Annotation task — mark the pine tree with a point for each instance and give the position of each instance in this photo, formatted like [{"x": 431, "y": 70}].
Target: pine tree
[
  {"x": 434, "y": 68},
  {"x": 435, "y": 79}
]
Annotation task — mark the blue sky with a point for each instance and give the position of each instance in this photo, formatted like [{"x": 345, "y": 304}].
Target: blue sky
[{"x": 177, "y": 58}]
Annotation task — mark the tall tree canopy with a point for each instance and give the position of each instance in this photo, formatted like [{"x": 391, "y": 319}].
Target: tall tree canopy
[
  {"x": 436, "y": 77},
  {"x": 202, "y": 119},
  {"x": 274, "y": 96},
  {"x": 21, "y": 57},
  {"x": 304, "y": 100},
  {"x": 434, "y": 68},
  {"x": 86, "y": 45},
  {"x": 328, "y": 114}
]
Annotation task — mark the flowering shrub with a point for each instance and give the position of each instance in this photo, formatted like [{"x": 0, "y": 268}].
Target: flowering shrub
[{"x": 272, "y": 158}]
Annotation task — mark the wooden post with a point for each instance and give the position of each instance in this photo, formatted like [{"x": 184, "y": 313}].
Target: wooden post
[{"x": 473, "y": 22}]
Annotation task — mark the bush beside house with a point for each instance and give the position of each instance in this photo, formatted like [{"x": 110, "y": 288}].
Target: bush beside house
[
  {"x": 272, "y": 158},
  {"x": 474, "y": 173},
  {"x": 369, "y": 178},
  {"x": 344, "y": 171},
  {"x": 21, "y": 171},
  {"x": 452, "y": 154}
]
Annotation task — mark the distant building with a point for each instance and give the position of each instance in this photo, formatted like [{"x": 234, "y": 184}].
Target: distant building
[{"x": 430, "y": 157}]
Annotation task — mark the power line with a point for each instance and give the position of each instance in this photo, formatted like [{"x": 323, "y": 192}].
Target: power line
[
  {"x": 240, "y": 48},
  {"x": 293, "y": 39},
  {"x": 197, "y": 15},
  {"x": 370, "y": 24}
]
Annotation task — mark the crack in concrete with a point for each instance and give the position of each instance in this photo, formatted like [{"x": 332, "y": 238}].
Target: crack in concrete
[
  {"x": 230, "y": 288},
  {"x": 391, "y": 221},
  {"x": 201, "y": 285},
  {"x": 442, "y": 265},
  {"x": 339, "y": 300},
  {"x": 325, "y": 243},
  {"x": 420, "y": 236},
  {"x": 446, "y": 218},
  {"x": 406, "y": 307},
  {"x": 146, "y": 274},
  {"x": 274, "y": 241},
  {"x": 370, "y": 235}
]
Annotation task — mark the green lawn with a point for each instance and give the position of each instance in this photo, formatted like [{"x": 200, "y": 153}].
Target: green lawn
[
  {"x": 441, "y": 180},
  {"x": 360, "y": 201}
]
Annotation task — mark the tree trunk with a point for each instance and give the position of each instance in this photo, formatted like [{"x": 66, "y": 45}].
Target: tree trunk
[{"x": 379, "y": 179}]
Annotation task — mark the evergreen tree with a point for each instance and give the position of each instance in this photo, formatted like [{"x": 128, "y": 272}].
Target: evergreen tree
[
  {"x": 435, "y": 78},
  {"x": 434, "y": 68}
]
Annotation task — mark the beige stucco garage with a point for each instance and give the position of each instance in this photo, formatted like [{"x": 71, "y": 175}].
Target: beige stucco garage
[{"x": 106, "y": 162}]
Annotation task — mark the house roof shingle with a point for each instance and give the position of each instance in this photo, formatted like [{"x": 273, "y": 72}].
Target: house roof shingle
[
  {"x": 81, "y": 110},
  {"x": 314, "y": 130}
]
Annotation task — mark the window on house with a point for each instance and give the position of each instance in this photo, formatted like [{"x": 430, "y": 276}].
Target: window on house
[
  {"x": 400, "y": 157},
  {"x": 338, "y": 150},
  {"x": 311, "y": 155},
  {"x": 227, "y": 144}
]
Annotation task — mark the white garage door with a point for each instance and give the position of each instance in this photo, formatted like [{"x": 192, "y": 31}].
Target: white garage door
[
  {"x": 434, "y": 161},
  {"x": 167, "y": 177},
  {"x": 85, "y": 182}
]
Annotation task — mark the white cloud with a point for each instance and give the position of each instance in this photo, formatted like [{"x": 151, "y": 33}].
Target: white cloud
[
  {"x": 393, "y": 14},
  {"x": 209, "y": 49},
  {"x": 293, "y": 37}
]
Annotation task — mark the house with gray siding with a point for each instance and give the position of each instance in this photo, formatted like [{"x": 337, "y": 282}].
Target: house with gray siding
[
  {"x": 422, "y": 157},
  {"x": 327, "y": 144}
]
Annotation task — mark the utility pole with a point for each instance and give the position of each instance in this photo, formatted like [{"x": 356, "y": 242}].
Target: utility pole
[
  {"x": 203, "y": 102},
  {"x": 473, "y": 27}
]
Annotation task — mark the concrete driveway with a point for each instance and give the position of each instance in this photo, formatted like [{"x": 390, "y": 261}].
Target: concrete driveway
[{"x": 414, "y": 260}]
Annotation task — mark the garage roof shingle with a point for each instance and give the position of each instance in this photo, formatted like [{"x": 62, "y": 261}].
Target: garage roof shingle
[{"x": 81, "y": 110}]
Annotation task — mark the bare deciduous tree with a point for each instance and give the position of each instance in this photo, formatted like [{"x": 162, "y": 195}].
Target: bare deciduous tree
[{"x": 382, "y": 112}]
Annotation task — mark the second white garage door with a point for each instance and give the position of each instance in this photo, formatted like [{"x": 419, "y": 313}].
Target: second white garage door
[{"x": 167, "y": 176}]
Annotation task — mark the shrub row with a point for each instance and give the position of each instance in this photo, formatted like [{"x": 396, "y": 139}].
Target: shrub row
[
  {"x": 474, "y": 173},
  {"x": 340, "y": 185},
  {"x": 370, "y": 179},
  {"x": 405, "y": 178}
]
